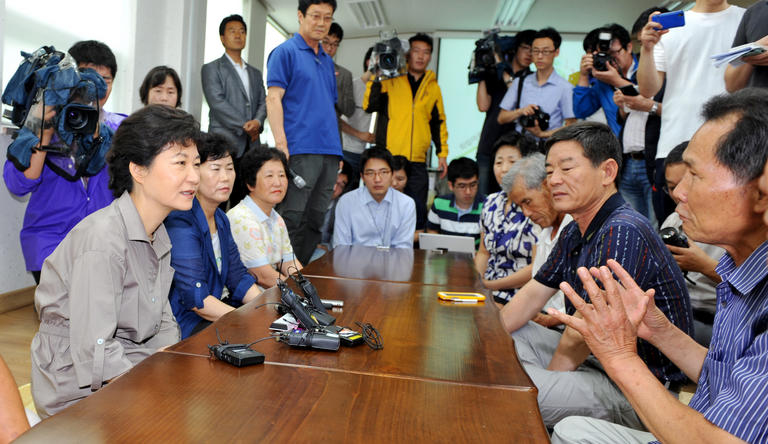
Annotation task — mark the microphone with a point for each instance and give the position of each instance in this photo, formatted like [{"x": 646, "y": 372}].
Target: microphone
[
  {"x": 317, "y": 340},
  {"x": 289, "y": 298},
  {"x": 297, "y": 180}
]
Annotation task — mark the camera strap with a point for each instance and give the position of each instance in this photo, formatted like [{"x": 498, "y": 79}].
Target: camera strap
[{"x": 520, "y": 81}]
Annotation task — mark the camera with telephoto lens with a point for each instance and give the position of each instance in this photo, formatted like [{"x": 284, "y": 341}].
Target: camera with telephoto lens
[
  {"x": 603, "y": 58},
  {"x": 538, "y": 116},
  {"x": 388, "y": 56},
  {"x": 672, "y": 236}
]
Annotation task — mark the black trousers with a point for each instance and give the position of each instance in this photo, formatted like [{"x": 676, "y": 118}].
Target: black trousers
[{"x": 417, "y": 188}]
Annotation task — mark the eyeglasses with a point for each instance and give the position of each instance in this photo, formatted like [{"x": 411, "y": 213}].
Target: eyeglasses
[
  {"x": 320, "y": 18},
  {"x": 615, "y": 52},
  {"x": 380, "y": 173},
  {"x": 329, "y": 44},
  {"x": 466, "y": 186},
  {"x": 544, "y": 52}
]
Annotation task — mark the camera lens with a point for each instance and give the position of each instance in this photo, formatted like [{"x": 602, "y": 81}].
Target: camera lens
[
  {"x": 76, "y": 119},
  {"x": 388, "y": 61}
]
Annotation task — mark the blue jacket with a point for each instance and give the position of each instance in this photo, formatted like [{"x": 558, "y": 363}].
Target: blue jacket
[
  {"x": 587, "y": 100},
  {"x": 197, "y": 275}
]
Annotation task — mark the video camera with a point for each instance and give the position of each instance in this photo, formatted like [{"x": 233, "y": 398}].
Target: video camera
[
  {"x": 483, "y": 60},
  {"x": 49, "y": 80},
  {"x": 603, "y": 58},
  {"x": 388, "y": 56}
]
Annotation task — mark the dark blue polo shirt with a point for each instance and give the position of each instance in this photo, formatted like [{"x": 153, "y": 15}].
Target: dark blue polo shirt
[
  {"x": 309, "y": 81},
  {"x": 621, "y": 233}
]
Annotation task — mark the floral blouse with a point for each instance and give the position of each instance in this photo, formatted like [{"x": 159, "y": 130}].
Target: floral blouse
[{"x": 508, "y": 237}]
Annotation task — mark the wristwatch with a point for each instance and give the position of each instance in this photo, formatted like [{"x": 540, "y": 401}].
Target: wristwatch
[{"x": 654, "y": 109}]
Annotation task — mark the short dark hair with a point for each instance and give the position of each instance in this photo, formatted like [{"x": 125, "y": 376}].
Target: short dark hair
[
  {"x": 462, "y": 168},
  {"x": 336, "y": 30},
  {"x": 676, "y": 155},
  {"x": 596, "y": 139},
  {"x": 255, "y": 158},
  {"x": 142, "y": 136},
  {"x": 94, "y": 52},
  {"x": 523, "y": 37},
  {"x": 642, "y": 20},
  {"x": 422, "y": 37},
  {"x": 619, "y": 33},
  {"x": 367, "y": 58},
  {"x": 744, "y": 149},
  {"x": 304, "y": 4},
  {"x": 400, "y": 163},
  {"x": 549, "y": 33},
  {"x": 376, "y": 153},
  {"x": 590, "y": 40},
  {"x": 523, "y": 143},
  {"x": 232, "y": 18},
  {"x": 214, "y": 147},
  {"x": 156, "y": 76}
]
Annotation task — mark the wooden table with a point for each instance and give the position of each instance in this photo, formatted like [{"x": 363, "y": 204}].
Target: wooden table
[
  {"x": 422, "y": 337},
  {"x": 397, "y": 265},
  {"x": 171, "y": 397},
  {"x": 447, "y": 373}
]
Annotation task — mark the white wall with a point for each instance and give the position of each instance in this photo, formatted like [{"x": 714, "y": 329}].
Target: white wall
[{"x": 146, "y": 33}]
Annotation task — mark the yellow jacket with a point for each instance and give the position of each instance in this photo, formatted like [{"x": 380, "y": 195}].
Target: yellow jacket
[{"x": 407, "y": 125}]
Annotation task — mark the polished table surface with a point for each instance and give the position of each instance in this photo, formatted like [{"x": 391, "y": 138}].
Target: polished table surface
[
  {"x": 447, "y": 372},
  {"x": 397, "y": 265},
  {"x": 171, "y": 397},
  {"x": 422, "y": 337}
]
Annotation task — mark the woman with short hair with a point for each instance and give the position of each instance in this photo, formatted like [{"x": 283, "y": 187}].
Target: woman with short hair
[
  {"x": 103, "y": 293},
  {"x": 210, "y": 280}
]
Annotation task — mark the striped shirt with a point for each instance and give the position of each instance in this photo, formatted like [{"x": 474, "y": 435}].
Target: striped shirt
[
  {"x": 445, "y": 218},
  {"x": 733, "y": 386},
  {"x": 621, "y": 233}
]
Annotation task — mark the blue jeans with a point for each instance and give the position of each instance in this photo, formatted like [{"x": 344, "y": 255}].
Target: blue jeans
[{"x": 635, "y": 188}]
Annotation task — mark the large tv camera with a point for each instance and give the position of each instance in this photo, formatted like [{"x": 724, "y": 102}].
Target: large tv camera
[
  {"x": 388, "y": 56},
  {"x": 603, "y": 58},
  {"x": 49, "y": 91},
  {"x": 490, "y": 50}
]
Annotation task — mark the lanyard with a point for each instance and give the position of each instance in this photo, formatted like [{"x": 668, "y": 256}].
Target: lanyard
[{"x": 384, "y": 236}]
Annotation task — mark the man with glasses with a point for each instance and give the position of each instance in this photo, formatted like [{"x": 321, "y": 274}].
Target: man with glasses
[
  {"x": 375, "y": 215},
  {"x": 301, "y": 99},
  {"x": 458, "y": 213},
  {"x": 546, "y": 91}
]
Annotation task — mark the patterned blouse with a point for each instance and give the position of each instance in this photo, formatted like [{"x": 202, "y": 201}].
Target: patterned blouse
[
  {"x": 509, "y": 238},
  {"x": 261, "y": 239}
]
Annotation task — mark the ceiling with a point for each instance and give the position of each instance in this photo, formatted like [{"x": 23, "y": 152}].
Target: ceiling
[{"x": 407, "y": 16}]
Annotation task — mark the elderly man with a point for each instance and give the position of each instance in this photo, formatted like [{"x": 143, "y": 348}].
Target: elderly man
[
  {"x": 527, "y": 186},
  {"x": 720, "y": 203},
  {"x": 583, "y": 161}
]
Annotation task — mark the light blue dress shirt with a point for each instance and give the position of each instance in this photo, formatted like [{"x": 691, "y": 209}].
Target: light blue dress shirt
[
  {"x": 554, "y": 97},
  {"x": 360, "y": 220}
]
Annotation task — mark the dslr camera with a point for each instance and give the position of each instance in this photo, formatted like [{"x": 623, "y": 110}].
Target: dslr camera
[
  {"x": 672, "y": 236},
  {"x": 603, "y": 57},
  {"x": 539, "y": 116},
  {"x": 388, "y": 56}
]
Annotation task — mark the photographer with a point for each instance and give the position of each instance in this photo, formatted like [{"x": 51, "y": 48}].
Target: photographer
[
  {"x": 544, "y": 102},
  {"x": 607, "y": 66},
  {"x": 57, "y": 202},
  {"x": 411, "y": 117},
  {"x": 490, "y": 90}
]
